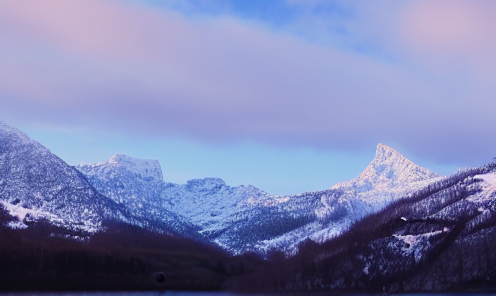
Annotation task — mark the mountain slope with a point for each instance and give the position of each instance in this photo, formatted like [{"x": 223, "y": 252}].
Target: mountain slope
[
  {"x": 438, "y": 238},
  {"x": 35, "y": 184},
  {"x": 136, "y": 185},
  {"x": 207, "y": 206},
  {"x": 389, "y": 177}
]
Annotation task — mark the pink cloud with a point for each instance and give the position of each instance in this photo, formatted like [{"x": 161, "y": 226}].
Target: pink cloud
[
  {"x": 87, "y": 28},
  {"x": 453, "y": 31}
]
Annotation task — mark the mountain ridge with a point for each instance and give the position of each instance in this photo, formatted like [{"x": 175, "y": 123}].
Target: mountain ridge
[
  {"x": 397, "y": 227},
  {"x": 242, "y": 218},
  {"x": 231, "y": 216}
]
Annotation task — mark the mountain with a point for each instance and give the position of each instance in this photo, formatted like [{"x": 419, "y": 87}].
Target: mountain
[
  {"x": 36, "y": 185},
  {"x": 136, "y": 184},
  {"x": 389, "y": 170},
  {"x": 245, "y": 218},
  {"x": 207, "y": 206},
  {"x": 389, "y": 177},
  {"x": 397, "y": 227},
  {"x": 438, "y": 238}
]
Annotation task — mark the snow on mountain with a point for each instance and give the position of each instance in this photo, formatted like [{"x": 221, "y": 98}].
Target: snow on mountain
[
  {"x": 245, "y": 218},
  {"x": 134, "y": 180},
  {"x": 388, "y": 170},
  {"x": 389, "y": 177},
  {"x": 146, "y": 169},
  {"x": 137, "y": 184},
  {"x": 209, "y": 202},
  {"x": 35, "y": 184},
  {"x": 236, "y": 218},
  {"x": 439, "y": 238},
  {"x": 205, "y": 207}
]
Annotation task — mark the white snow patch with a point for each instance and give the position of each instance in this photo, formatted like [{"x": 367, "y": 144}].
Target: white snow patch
[
  {"x": 489, "y": 181},
  {"x": 366, "y": 268},
  {"x": 21, "y": 213},
  {"x": 18, "y": 211},
  {"x": 415, "y": 243},
  {"x": 16, "y": 225}
]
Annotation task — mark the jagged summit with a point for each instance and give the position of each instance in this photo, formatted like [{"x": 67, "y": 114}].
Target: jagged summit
[
  {"x": 383, "y": 152},
  {"x": 148, "y": 169},
  {"x": 388, "y": 169}
]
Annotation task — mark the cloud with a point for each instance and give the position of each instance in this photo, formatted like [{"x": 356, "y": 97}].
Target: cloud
[
  {"x": 455, "y": 30},
  {"x": 129, "y": 67}
]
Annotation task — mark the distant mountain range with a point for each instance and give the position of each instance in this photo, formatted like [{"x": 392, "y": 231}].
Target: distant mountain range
[
  {"x": 245, "y": 218},
  {"x": 38, "y": 184},
  {"x": 392, "y": 217}
]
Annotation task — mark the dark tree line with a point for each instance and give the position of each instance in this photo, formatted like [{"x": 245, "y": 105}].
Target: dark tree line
[{"x": 124, "y": 257}]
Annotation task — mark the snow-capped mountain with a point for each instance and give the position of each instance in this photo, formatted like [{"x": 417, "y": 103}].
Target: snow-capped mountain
[
  {"x": 397, "y": 227},
  {"x": 208, "y": 206},
  {"x": 35, "y": 184},
  {"x": 388, "y": 170},
  {"x": 389, "y": 177},
  {"x": 137, "y": 185},
  {"x": 245, "y": 218},
  {"x": 439, "y": 238}
]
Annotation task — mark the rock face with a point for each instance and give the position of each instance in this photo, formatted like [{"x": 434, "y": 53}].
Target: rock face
[{"x": 134, "y": 182}]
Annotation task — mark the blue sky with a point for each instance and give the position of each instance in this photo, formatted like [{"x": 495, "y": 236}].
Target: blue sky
[{"x": 288, "y": 96}]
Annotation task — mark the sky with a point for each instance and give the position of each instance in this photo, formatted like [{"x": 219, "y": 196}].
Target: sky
[{"x": 286, "y": 95}]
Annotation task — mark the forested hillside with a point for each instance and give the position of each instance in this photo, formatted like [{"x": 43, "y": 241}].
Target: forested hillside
[{"x": 440, "y": 238}]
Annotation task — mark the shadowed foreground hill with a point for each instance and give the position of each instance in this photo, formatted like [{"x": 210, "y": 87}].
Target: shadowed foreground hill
[{"x": 124, "y": 257}]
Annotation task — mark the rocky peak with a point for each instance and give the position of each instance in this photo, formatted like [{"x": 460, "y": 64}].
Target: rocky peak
[
  {"x": 383, "y": 152},
  {"x": 388, "y": 169},
  {"x": 148, "y": 169}
]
